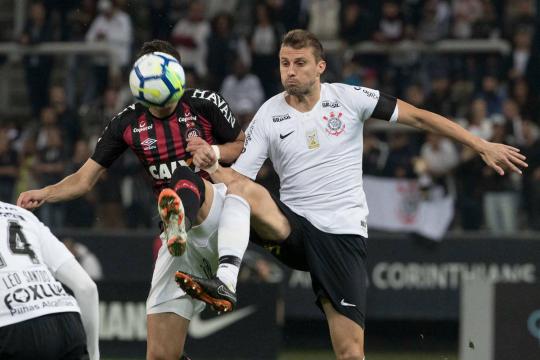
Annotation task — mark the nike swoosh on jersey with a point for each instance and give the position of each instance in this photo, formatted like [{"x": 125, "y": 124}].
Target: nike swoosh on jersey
[
  {"x": 346, "y": 303},
  {"x": 284, "y": 136},
  {"x": 200, "y": 328}
]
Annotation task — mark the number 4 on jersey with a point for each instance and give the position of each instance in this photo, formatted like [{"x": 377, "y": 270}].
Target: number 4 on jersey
[{"x": 18, "y": 244}]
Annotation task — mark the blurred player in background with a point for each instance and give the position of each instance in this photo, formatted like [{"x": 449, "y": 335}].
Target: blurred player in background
[
  {"x": 198, "y": 128},
  {"x": 312, "y": 133},
  {"x": 38, "y": 318}
]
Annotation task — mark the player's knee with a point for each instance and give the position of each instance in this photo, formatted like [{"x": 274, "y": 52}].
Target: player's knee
[
  {"x": 350, "y": 350},
  {"x": 183, "y": 175},
  {"x": 240, "y": 187}
]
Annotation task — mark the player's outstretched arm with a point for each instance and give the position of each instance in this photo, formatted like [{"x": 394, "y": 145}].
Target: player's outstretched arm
[
  {"x": 495, "y": 155},
  {"x": 86, "y": 293},
  {"x": 71, "y": 187}
]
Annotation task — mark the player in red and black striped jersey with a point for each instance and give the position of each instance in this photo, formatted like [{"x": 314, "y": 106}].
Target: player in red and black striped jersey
[
  {"x": 161, "y": 143},
  {"x": 170, "y": 142}
]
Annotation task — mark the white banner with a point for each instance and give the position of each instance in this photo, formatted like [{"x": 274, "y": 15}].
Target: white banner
[{"x": 399, "y": 205}]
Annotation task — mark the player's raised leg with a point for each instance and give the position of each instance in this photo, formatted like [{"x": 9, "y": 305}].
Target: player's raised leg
[
  {"x": 179, "y": 206},
  {"x": 346, "y": 335},
  {"x": 244, "y": 199}
]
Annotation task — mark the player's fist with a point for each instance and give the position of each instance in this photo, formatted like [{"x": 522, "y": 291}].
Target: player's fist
[
  {"x": 203, "y": 154},
  {"x": 31, "y": 199}
]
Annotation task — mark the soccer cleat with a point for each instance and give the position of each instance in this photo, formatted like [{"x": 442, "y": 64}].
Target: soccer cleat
[
  {"x": 211, "y": 291},
  {"x": 172, "y": 214}
]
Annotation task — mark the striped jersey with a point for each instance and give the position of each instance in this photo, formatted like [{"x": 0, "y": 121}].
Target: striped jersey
[
  {"x": 318, "y": 154},
  {"x": 160, "y": 143},
  {"x": 29, "y": 256}
]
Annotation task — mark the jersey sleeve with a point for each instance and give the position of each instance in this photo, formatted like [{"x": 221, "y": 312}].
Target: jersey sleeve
[
  {"x": 111, "y": 144},
  {"x": 54, "y": 252},
  {"x": 211, "y": 105},
  {"x": 256, "y": 148},
  {"x": 370, "y": 103}
]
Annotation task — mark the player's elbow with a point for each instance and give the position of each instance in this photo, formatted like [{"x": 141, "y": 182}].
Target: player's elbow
[{"x": 88, "y": 290}]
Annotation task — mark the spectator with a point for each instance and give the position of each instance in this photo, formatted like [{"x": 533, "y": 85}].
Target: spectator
[
  {"x": 324, "y": 18},
  {"x": 265, "y": 39},
  {"x": 27, "y": 157},
  {"x": 491, "y": 93},
  {"x": 439, "y": 99},
  {"x": 531, "y": 177},
  {"x": 49, "y": 169},
  {"x": 485, "y": 26},
  {"x": 518, "y": 61},
  {"x": 68, "y": 119},
  {"x": 86, "y": 258},
  {"x": 435, "y": 23},
  {"x": 113, "y": 27},
  {"x": 438, "y": 158},
  {"x": 525, "y": 100},
  {"x": 80, "y": 212},
  {"x": 242, "y": 90},
  {"x": 37, "y": 67},
  {"x": 466, "y": 13},
  {"x": 100, "y": 112},
  {"x": 160, "y": 23},
  {"x": 399, "y": 162},
  {"x": 356, "y": 23},
  {"x": 374, "y": 155},
  {"x": 500, "y": 198},
  {"x": 9, "y": 167},
  {"x": 470, "y": 190},
  {"x": 189, "y": 35},
  {"x": 514, "y": 122},
  {"x": 391, "y": 26},
  {"x": 478, "y": 123},
  {"x": 223, "y": 48}
]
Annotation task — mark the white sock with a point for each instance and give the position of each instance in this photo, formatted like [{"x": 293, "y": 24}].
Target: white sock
[{"x": 233, "y": 237}]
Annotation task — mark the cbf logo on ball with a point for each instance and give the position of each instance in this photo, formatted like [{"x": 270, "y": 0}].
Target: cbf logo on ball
[
  {"x": 157, "y": 79},
  {"x": 334, "y": 125}
]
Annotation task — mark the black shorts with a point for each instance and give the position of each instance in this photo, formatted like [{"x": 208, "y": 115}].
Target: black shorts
[
  {"x": 336, "y": 262},
  {"x": 49, "y": 337}
]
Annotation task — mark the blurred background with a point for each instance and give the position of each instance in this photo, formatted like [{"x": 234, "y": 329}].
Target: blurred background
[{"x": 453, "y": 247}]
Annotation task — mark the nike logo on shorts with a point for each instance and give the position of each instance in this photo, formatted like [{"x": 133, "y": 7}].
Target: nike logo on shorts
[
  {"x": 346, "y": 303},
  {"x": 201, "y": 328},
  {"x": 284, "y": 136}
]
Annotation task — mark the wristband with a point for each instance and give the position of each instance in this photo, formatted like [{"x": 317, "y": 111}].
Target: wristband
[
  {"x": 213, "y": 168},
  {"x": 217, "y": 152}
]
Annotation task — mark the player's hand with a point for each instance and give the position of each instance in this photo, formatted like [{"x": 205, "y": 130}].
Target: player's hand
[
  {"x": 202, "y": 153},
  {"x": 502, "y": 157},
  {"x": 31, "y": 199}
]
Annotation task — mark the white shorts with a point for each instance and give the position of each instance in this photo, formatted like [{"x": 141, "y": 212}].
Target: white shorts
[{"x": 200, "y": 259}]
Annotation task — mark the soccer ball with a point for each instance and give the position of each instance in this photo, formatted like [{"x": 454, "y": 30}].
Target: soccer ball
[{"x": 157, "y": 79}]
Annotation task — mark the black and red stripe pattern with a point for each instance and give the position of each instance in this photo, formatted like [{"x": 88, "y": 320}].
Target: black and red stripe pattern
[{"x": 160, "y": 143}]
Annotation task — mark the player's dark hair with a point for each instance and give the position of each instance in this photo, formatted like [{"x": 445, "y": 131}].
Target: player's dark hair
[
  {"x": 158, "y": 45},
  {"x": 298, "y": 39}
]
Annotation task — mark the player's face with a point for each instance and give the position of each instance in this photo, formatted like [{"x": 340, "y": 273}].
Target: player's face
[{"x": 300, "y": 70}]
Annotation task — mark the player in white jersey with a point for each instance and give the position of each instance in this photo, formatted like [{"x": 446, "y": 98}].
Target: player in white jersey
[
  {"x": 38, "y": 318},
  {"x": 312, "y": 132}
]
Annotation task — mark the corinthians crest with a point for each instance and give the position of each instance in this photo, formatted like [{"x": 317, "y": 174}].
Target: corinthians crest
[{"x": 334, "y": 125}]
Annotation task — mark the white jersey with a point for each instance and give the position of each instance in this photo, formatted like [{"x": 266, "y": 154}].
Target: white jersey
[
  {"x": 29, "y": 256},
  {"x": 318, "y": 154}
]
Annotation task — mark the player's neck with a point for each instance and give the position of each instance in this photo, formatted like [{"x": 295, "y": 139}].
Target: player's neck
[
  {"x": 162, "y": 112},
  {"x": 306, "y": 102}
]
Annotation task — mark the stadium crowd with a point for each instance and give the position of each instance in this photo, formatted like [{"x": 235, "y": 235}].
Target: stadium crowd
[{"x": 231, "y": 46}]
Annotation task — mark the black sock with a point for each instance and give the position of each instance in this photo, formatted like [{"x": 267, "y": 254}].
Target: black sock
[{"x": 190, "y": 187}]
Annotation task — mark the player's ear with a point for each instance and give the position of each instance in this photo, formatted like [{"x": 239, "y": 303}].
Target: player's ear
[{"x": 321, "y": 66}]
